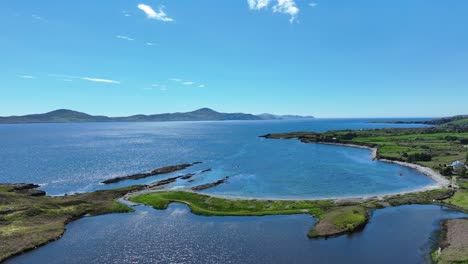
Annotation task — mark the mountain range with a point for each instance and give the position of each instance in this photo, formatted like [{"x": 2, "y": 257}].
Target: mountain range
[{"x": 203, "y": 114}]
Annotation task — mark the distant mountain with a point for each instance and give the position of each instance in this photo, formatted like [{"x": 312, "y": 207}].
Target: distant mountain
[
  {"x": 272, "y": 117},
  {"x": 69, "y": 116}
]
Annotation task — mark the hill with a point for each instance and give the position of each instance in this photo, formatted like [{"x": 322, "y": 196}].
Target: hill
[{"x": 70, "y": 116}]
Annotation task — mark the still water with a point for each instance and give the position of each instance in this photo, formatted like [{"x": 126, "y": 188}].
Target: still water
[{"x": 394, "y": 235}]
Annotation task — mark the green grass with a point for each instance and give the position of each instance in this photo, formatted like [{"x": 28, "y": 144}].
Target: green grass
[
  {"x": 27, "y": 222},
  {"x": 461, "y": 122},
  {"x": 460, "y": 199},
  {"x": 207, "y": 205},
  {"x": 334, "y": 219},
  {"x": 340, "y": 221},
  {"x": 337, "y": 219},
  {"x": 463, "y": 184}
]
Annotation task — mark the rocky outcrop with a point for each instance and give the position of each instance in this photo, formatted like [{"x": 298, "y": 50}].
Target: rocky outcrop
[
  {"x": 27, "y": 189},
  {"x": 187, "y": 176},
  {"x": 24, "y": 186},
  {"x": 164, "y": 182},
  {"x": 154, "y": 172},
  {"x": 209, "y": 185}
]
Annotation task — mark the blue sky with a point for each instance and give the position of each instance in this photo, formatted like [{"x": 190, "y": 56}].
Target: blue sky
[{"x": 328, "y": 58}]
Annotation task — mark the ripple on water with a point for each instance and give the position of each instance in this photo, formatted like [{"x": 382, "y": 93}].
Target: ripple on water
[{"x": 394, "y": 235}]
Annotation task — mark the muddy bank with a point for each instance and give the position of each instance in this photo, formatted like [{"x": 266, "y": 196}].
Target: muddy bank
[{"x": 453, "y": 244}]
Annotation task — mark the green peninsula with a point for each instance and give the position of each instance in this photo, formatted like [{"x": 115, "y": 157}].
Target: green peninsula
[{"x": 29, "y": 219}]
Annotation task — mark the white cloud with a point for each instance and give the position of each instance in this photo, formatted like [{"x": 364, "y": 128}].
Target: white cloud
[
  {"x": 99, "y": 80},
  {"x": 282, "y": 6},
  {"x": 155, "y": 85},
  {"x": 157, "y": 15},
  {"x": 149, "y": 44},
  {"x": 28, "y": 77},
  {"x": 287, "y": 7},
  {"x": 201, "y": 86},
  {"x": 67, "y": 80},
  {"x": 188, "y": 83},
  {"x": 176, "y": 79},
  {"x": 258, "y": 4},
  {"x": 313, "y": 4},
  {"x": 125, "y": 38}
]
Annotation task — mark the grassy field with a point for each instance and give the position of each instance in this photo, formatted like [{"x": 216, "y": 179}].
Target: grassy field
[
  {"x": 460, "y": 199},
  {"x": 27, "y": 222}
]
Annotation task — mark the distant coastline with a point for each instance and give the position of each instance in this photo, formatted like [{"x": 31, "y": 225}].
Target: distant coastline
[{"x": 203, "y": 114}]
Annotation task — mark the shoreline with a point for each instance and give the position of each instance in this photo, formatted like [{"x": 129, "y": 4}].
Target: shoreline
[
  {"x": 437, "y": 177},
  {"x": 439, "y": 183}
]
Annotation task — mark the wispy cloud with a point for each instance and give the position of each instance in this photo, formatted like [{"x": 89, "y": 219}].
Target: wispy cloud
[
  {"x": 125, "y": 13},
  {"x": 28, "y": 77},
  {"x": 70, "y": 78},
  {"x": 150, "y": 44},
  {"x": 312, "y": 4},
  {"x": 258, "y": 4},
  {"x": 99, "y": 80},
  {"x": 176, "y": 79},
  {"x": 188, "y": 83},
  {"x": 37, "y": 17},
  {"x": 282, "y": 6},
  {"x": 156, "y": 15},
  {"x": 125, "y": 38},
  {"x": 201, "y": 86}
]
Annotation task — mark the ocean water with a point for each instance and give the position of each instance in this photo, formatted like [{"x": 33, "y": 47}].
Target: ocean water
[
  {"x": 68, "y": 158},
  {"x": 403, "y": 235}
]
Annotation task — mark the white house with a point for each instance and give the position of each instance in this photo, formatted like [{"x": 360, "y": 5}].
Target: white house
[{"x": 457, "y": 164}]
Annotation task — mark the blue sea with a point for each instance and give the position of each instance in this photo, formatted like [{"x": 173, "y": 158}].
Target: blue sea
[{"x": 69, "y": 158}]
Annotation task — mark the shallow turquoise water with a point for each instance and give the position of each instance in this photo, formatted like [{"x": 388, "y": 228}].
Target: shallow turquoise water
[{"x": 69, "y": 158}]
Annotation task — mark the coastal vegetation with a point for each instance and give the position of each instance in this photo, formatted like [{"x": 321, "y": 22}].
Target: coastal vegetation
[
  {"x": 434, "y": 147},
  {"x": 29, "y": 219},
  {"x": 453, "y": 121},
  {"x": 335, "y": 217}
]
